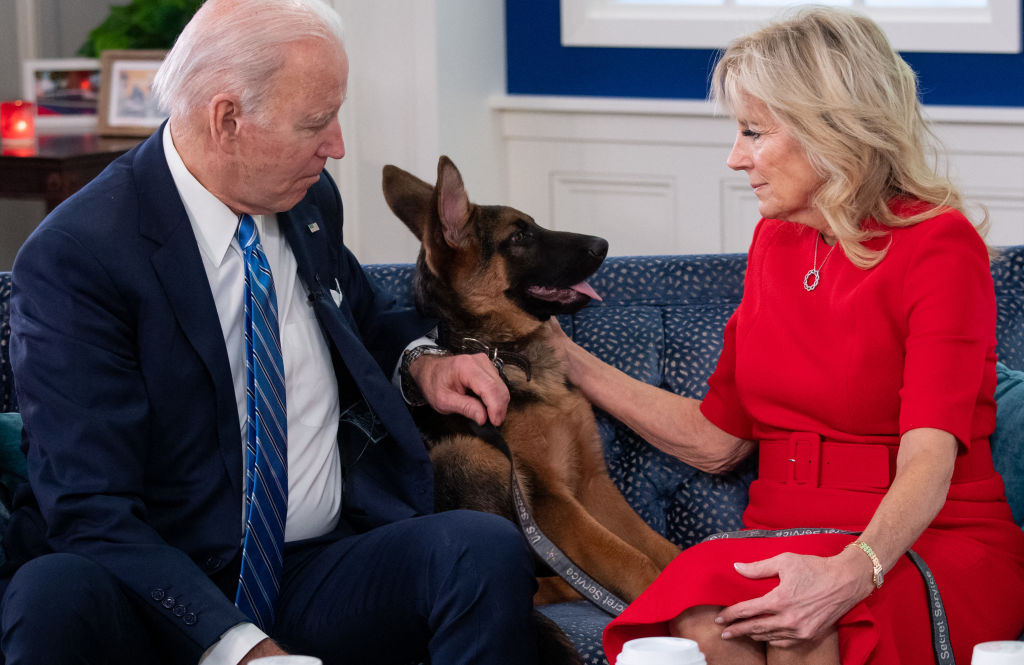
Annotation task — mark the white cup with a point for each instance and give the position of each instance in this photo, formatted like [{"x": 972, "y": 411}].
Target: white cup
[
  {"x": 660, "y": 651},
  {"x": 287, "y": 660},
  {"x": 998, "y": 653}
]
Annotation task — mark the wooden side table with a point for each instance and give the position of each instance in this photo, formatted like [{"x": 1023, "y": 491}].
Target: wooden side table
[{"x": 57, "y": 165}]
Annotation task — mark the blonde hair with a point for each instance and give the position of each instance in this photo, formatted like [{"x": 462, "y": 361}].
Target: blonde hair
[{"x": 851, "y": 101}]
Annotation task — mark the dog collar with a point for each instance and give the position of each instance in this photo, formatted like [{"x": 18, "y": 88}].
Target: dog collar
[{"x": 498, "y": 357}]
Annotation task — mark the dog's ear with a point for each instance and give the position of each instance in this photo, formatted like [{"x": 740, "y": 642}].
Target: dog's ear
[
  {"x": 408, "y": 197},
  {"x": 453, "y": 206}
]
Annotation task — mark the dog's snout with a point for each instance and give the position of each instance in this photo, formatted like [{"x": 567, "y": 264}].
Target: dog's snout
[{"x": 598, "y": 247}]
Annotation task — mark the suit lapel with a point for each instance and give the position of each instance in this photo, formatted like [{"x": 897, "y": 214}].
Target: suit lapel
[
  {"x": 179, "y": 268},
  {"x": 302, "y": 228},
  {"x": 319, "y": 268}
]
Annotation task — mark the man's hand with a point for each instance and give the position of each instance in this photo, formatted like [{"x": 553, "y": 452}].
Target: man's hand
[
  {"x": 465, "y": 383},
  {"x": 263, "y": 649}
]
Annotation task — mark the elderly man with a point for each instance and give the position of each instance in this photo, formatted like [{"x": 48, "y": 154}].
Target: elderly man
[{"x": 220, "y": 468}]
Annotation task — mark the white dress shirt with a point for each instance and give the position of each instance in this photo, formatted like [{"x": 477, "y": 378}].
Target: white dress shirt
[{"x": 314, "y": 465}]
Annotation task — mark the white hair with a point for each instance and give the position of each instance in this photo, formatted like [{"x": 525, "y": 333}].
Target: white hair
[{"x": 235, "y": 47}]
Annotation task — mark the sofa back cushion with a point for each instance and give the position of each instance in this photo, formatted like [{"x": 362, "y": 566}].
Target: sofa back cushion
[{"x": 661, "y": 321}]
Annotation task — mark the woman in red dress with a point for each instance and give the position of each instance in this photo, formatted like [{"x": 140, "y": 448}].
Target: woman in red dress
[{"x": 861, "y": 367}]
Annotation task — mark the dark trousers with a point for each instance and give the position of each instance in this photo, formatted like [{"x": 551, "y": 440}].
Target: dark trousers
[{"x": 451, "y": 588}]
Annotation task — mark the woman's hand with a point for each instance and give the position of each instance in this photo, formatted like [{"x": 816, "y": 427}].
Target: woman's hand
[
  {"x": 563, "y": 348},
  {"x": 813, "y": 594}
]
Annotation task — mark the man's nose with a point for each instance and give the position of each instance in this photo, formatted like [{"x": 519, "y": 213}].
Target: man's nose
[{"x": 334, "y": 145}]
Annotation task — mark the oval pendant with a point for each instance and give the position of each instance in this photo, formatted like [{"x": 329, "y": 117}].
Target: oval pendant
[{"x": 811, "y": 279}]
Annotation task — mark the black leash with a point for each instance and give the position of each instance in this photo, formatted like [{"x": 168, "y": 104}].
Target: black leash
[
  {"x": 940, "y": 626},
  {"x": 548, "y": 552}
]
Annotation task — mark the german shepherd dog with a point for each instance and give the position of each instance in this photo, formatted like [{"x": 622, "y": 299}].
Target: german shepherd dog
[{"x": 493, "y": 277}]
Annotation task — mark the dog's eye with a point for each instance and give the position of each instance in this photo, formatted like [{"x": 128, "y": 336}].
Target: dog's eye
[{"x": 520, "y": 236}]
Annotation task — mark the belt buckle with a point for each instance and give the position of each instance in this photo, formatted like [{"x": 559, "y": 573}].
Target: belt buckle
[{"x": 805, "y": 452}]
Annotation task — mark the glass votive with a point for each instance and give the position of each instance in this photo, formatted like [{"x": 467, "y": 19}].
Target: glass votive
[{"x": 17, "y": 121}]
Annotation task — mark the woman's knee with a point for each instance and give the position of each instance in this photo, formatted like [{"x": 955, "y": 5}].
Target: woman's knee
[{"x": 698, "y": 624}]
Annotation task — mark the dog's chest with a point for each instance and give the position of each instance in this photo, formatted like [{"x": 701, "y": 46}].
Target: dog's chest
[{"x": 551, "y": 426}]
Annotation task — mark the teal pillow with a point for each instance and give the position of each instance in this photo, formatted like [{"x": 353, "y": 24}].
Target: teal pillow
[
  {"x": 1008, "y": 438},
  {"x": 12, "y": 461}
]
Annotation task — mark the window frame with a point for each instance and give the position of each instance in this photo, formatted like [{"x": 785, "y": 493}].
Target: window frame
[{"x": 994, "y": 28}]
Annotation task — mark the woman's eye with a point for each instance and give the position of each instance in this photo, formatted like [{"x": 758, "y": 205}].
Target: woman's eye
[{"x": 750, "y": 133}]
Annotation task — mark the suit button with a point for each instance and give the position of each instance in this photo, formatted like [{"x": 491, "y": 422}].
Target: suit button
[
  {"x": 190, "y": 619},
  {"x": 178, "y": 611},
  {"x": 157, "y": 594},
  {"x": 213, "y": 563},
  {"x": 168, "y": 602}
]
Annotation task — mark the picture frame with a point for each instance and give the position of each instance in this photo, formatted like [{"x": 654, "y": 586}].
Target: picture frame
[
  {"x": 127, "y": 106},
  {"x": 66, "y": 92}
]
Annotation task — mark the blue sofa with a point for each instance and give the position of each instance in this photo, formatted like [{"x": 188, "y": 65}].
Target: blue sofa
[{"x": 661, "y": 321}]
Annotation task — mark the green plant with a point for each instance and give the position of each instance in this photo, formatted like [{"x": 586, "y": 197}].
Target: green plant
[{"x": 142, "y": 24}]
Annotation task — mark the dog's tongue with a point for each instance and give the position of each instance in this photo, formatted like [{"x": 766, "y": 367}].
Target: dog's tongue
[{"x": 586, "y": 289}]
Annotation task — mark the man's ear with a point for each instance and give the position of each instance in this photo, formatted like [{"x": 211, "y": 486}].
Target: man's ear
[{"x": 223, "y": 121}]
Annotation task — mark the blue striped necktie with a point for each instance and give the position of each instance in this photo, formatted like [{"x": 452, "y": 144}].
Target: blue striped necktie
[{"x": 266, "y": 454}]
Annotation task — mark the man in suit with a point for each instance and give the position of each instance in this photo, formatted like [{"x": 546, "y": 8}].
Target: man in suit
[{"x": 129, "y": 351}]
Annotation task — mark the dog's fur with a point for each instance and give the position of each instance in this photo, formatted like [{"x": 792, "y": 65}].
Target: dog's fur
[{"x": 492, "y": 274}]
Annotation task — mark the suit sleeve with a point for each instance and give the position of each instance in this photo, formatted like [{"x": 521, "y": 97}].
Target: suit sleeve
[{"x": 90, "y": 434}]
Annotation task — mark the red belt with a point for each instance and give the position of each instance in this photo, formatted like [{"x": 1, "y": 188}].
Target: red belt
[{"x": 806, "y": 459}]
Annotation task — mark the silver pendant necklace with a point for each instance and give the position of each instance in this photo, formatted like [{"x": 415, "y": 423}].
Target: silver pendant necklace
[{"x": 813, "y": 276}]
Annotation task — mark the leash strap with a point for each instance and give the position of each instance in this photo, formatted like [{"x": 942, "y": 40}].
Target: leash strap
[
  {"x": 548, "y": 552},
  {"x": 940, "y": 626}
]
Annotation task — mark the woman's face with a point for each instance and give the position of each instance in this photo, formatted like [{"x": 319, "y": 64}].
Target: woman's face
[{"x": 782, "y": 176}]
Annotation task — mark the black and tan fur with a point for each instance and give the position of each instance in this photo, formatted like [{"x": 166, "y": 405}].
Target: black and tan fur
[{"x": 491, "y": 273}]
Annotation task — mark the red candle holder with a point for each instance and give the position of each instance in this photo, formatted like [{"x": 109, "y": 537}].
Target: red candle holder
[{"x": 17, "y": 122}]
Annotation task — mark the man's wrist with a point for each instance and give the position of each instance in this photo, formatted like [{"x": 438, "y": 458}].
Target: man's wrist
[{"x": 410, "y": 389}]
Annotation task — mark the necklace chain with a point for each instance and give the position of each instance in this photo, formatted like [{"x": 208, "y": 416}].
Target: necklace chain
[{"x": 813, "y": 276}]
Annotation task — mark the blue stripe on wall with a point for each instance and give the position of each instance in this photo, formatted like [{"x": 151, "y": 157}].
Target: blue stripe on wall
[{"x": 538, "y": 64}]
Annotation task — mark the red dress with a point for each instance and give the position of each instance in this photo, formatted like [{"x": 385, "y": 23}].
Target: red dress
[{"x": 865, "y": 357}]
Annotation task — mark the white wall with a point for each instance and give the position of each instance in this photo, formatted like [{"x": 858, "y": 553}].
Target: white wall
[
  {"x": 650, "y": 175},
  {"x": 428, "y": 77},
  {"x": 421, "y": 72}
]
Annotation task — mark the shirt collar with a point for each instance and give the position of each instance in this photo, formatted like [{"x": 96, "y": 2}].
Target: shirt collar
[{"x": 212, "y": 221}]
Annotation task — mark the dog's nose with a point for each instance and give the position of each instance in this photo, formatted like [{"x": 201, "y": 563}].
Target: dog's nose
[{"x": 598, "y": 247}]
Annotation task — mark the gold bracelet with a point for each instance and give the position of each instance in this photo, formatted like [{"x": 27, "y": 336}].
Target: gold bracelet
[{"x": 876, "y": 565}]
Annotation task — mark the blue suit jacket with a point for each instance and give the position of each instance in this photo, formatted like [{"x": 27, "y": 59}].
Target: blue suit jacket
[{"x": 132, "y": 432}]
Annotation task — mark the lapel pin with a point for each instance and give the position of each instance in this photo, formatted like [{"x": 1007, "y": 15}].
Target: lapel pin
[{"x": 313, "y": 228}]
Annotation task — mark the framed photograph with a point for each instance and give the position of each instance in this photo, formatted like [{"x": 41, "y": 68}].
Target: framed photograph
[
  {"x": 66, "y": 92},
  {"x": 127, "y": 106}
]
